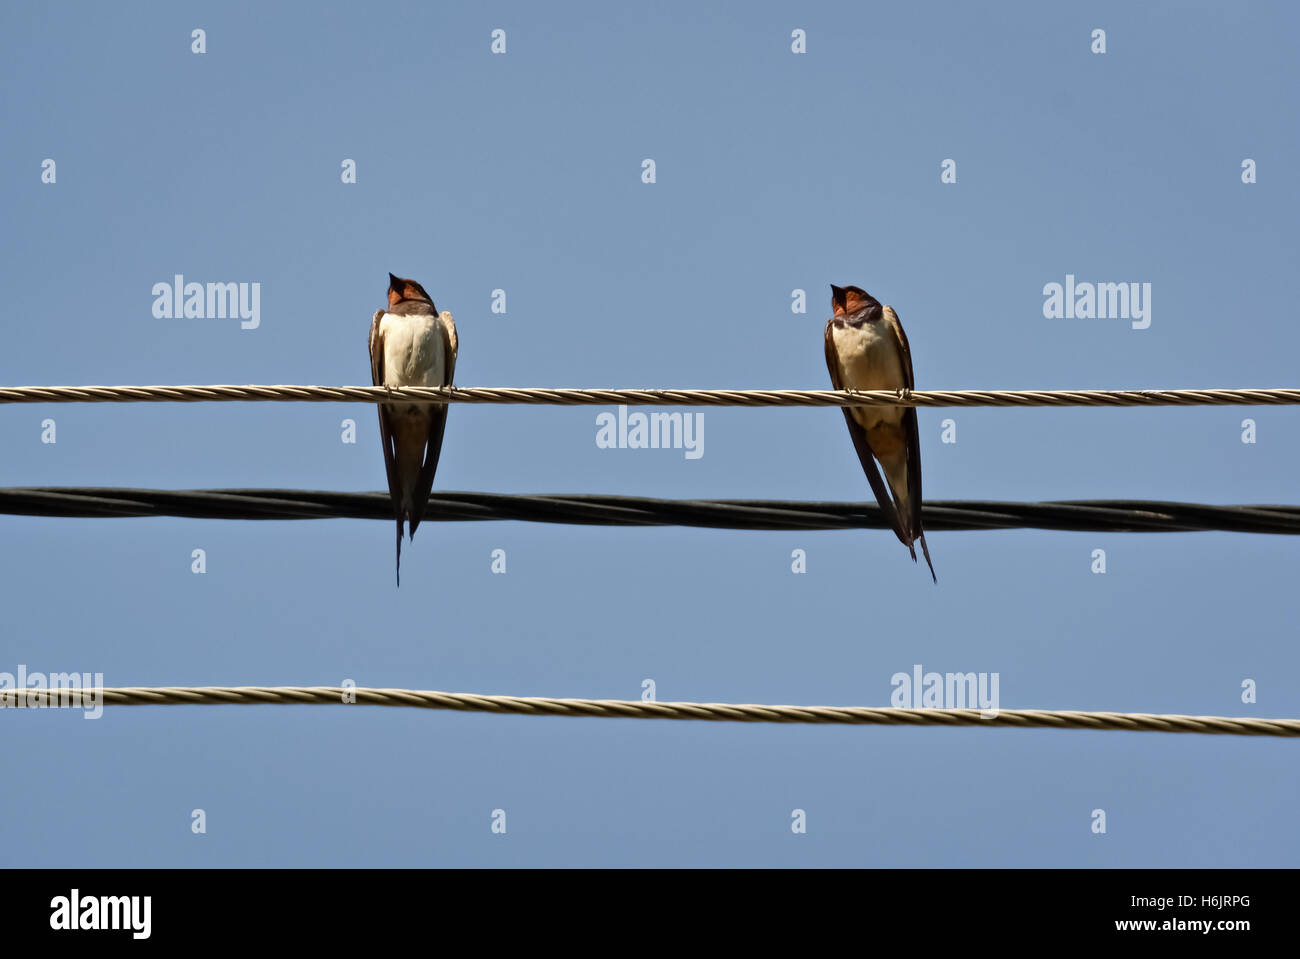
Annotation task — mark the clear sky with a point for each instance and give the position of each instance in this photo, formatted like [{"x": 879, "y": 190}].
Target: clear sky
[{"x": 775, "y": 171}]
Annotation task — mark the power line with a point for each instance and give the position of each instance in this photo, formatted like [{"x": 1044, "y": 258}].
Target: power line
[
  {"x": 638, "y": 709},
  {"x": 1114, "y": 516},
  {"x": 641, "y": 397}
]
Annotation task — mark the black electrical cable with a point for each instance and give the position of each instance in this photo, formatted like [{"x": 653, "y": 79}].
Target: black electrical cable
[{"x": 1116, "y": 516}]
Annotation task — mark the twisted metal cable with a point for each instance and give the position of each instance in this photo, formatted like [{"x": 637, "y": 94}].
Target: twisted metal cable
[
  {"x": 645, "y": 397},
  {"x": 636, "y": 709},
  {"x": 1114, "y": 516}
]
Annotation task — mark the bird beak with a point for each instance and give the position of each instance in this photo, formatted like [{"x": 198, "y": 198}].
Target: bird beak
[{"x": 838, "y": 297}]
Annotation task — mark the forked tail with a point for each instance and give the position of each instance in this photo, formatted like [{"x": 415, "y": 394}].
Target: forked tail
[{"x": 926, "y": 550}]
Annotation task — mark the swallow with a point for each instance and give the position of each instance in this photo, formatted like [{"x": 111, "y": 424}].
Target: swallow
[
  {"x": 866, "y": 349},
  {"x": 411, "y": 344}
]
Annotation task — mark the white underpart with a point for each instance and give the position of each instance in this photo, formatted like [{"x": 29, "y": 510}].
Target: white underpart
[
  {"x": 414, "y": 352},
  {"x": 869, "y": 360}
]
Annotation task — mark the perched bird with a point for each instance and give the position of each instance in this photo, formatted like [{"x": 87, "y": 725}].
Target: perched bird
[
  {"x": 411, "y": 344},
  {"x": 866, "y": 349}
]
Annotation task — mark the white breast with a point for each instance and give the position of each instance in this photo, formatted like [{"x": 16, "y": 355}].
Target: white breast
[
  {"x": 414, "y": 351},
  {"x": 869, "y": 357}
]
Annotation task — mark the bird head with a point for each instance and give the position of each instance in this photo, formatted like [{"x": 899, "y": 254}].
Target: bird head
[
  {"x": 400, "y": 289},
  {"x": 847, "y": 300}
]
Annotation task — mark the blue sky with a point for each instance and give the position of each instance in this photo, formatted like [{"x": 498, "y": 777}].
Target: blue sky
[{"x": 775, "y": 172}]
